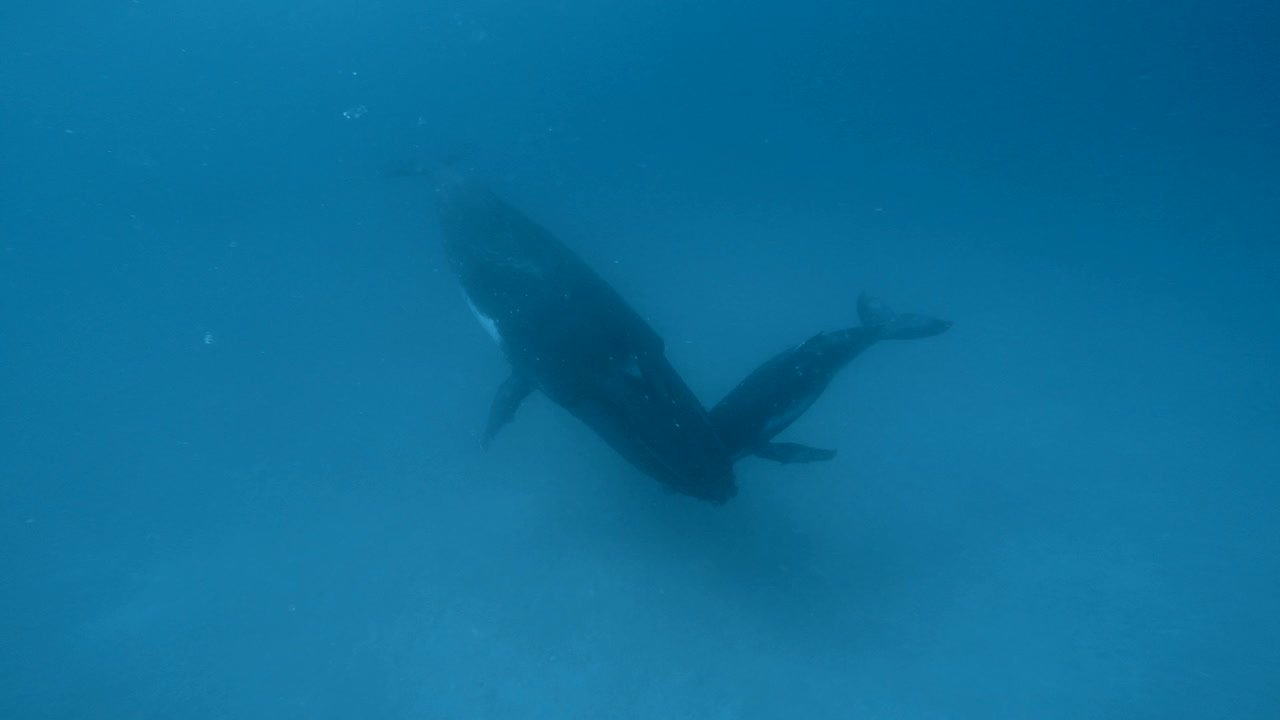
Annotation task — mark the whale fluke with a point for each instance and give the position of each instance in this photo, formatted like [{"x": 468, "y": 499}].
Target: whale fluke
[{"x": 876, "y": 315}]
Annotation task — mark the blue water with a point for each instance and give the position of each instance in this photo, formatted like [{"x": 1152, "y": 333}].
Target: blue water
[{"x": 241, "y": 394}]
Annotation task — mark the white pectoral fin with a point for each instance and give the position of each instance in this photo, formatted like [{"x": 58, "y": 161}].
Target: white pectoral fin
[{"x": 489, "y": 324}]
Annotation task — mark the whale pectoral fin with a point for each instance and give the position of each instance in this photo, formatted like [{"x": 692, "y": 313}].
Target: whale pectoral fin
[
  {"x": 511, "y": 393},
  {"x": 792, "y": 453}
]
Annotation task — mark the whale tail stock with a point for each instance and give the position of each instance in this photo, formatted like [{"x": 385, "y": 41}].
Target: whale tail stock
[{"x": 876, "y": 315}]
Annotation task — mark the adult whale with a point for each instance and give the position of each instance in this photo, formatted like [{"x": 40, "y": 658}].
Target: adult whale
[
  {"x": 568, "y": 333},
  {"x": 778, "y": 392}
]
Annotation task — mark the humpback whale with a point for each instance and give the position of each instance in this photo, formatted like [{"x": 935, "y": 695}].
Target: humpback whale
[
  {"x": 568, "y": 333},
  {"x": 778, "y": 392}
]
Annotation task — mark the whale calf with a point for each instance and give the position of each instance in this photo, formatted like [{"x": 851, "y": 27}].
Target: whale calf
[{"x": 778, "y": 392}]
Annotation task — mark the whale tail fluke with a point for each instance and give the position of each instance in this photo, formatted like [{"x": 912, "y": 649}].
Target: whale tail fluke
[{"x": 893, "y": 326}]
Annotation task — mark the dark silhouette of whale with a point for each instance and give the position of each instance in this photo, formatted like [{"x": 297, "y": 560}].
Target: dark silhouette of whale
[
  {"x": 566, "y": 332},
  {"x": 778, "y": 392}
]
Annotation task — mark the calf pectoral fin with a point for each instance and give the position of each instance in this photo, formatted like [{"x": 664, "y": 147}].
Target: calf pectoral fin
[
  {"x": 793, "y": 453},
  {"x": 511, "y": 393}
]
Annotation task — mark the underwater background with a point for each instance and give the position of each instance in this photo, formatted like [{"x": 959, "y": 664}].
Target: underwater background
[{"x": 241, "y": 393}]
